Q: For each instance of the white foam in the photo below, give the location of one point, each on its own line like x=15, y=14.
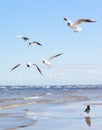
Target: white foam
x=31, y=98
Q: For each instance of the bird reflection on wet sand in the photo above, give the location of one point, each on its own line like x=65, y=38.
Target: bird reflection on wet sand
x=88, y=120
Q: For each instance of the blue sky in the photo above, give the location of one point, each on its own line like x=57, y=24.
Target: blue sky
x=42, y=20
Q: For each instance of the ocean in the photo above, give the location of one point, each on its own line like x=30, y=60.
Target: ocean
x=47, y=107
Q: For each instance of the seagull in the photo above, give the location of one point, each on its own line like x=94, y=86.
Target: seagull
x=28, y=40
x=75, y=25
x=47, y=61
x=87, y=110
x=28, y=65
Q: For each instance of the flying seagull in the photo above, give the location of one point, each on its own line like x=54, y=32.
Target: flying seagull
x=28, y=65
x=75, y=25
x=28, y=40
x=47, y=61
x=87, y=110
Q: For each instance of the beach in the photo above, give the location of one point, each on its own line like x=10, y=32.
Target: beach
x=50, y=108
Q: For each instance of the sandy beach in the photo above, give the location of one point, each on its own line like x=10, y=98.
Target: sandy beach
x=51, y=110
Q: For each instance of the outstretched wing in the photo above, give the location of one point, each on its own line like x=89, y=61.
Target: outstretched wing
x=68, y=20
x=15, y=67
x=55, y=56
x=38, y=68
x=24, y=38
x=37, y=43
x=18, y=36
x=83, y=20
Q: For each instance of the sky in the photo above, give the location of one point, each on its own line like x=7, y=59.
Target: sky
x=42, y=21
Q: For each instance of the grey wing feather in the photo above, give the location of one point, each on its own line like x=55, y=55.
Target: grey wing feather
x=38, y=69
x=25, y=38
x=68, y=20
x=37, y=43
x=83, y=20
x=15, y=67
x=55, y=56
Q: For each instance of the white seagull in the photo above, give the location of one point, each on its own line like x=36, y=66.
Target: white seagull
x=28, y=65
x=28, y=40
x=75, y=25
x=47, y=61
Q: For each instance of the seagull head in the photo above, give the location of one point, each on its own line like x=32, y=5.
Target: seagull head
x=28, y=64
x=69, y=24
x=88, y=107
x=43, y=61
x=30, y=43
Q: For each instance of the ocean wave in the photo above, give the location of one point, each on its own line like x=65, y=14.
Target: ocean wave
x=31, y=98
x=17, y=87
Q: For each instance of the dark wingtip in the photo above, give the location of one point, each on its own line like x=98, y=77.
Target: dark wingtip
x=65, y=18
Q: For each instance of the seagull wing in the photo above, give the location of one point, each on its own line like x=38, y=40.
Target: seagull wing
x=15, y=67
x=25, y=38
x=55, y=56
x=66, y=19
x=19, y=36
x=37, y=43
x=85, y=110
x=38, y=68
x=83, y=20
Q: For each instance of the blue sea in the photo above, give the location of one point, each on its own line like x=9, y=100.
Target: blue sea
x=48, y=107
